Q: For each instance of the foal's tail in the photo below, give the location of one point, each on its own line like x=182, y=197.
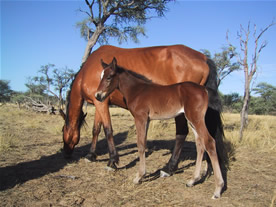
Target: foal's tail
x=213, y=116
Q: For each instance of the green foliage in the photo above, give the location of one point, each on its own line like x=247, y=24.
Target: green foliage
x=121, y=34
x=34, y=85
x=232, y=102
x=266, y=103
x=263, y=104
x=18, y=97
x=122, y=20
x=5, y=91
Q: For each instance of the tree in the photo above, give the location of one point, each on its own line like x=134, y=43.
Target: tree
x=249, y=68
x=5, y=91
x=51, y=80
x=35, y=87
x=118, y=19
x=231, y=102
x=223, y=61
x=18, y=98
x=59, y=79
x=266, y=103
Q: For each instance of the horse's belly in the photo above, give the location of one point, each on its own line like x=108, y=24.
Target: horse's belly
x=165, y=114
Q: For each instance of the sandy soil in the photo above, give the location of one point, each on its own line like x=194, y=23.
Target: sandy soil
x=34, y=172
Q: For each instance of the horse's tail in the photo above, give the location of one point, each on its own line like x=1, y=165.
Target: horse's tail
x=213, y=115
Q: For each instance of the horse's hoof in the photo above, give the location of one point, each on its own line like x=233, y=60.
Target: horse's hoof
x=87, y=160
x=214, y=197
x=109, y=169
x=190, y=183
x=137, y=181
x=164, y=174
x=91, y=157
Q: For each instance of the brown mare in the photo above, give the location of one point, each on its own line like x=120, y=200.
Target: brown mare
x=148, y=101
x=164, y=65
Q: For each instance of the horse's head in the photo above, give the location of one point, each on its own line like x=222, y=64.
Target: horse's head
x=109, y=80
x=71, y=135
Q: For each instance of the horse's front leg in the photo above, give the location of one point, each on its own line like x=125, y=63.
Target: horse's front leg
x=103, y=111
x=95, y=133
x=181, y=134
x=141, y=130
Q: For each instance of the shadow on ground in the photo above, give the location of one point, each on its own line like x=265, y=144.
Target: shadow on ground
x=25, y=171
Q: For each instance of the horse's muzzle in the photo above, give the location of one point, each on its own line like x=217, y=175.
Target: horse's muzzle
x=67, y=152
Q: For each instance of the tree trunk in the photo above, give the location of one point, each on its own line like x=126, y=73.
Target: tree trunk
x=91, y=42
x=246, y=99
x=244, y=114
x=60, y=99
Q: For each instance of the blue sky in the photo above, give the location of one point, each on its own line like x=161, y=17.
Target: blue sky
x=35, y=33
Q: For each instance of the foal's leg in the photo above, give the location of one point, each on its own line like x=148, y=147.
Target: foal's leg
x=199, y=157
x=95, y=132
x=141, y=130
x=103, y=110
x=181, y=134
x=209, y=144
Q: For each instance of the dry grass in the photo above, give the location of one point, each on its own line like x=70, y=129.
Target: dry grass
x=260, y=133
x=34, y=172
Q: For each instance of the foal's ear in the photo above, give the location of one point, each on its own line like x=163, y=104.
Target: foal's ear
x=114, y=64
x=104, y=65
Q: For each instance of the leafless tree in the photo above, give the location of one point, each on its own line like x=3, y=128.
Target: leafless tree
x=249, y=67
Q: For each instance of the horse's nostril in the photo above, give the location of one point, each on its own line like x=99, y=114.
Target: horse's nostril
x=98, y=96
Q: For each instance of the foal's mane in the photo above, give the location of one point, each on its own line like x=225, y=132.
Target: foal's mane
x=132, y=73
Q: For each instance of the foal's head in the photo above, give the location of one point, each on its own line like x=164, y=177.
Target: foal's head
x=109, y=80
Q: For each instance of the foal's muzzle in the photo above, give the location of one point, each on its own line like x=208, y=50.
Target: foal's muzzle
x=100, y=96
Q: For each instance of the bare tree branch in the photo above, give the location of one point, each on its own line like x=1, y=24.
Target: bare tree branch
x=264, y=30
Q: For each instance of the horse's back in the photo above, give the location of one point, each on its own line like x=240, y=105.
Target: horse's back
x=162, y=64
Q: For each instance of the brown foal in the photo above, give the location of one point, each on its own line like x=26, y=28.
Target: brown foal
x=148, y=101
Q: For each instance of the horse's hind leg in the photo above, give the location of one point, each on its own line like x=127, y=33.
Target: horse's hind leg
x=181, y=134
x=95, y=133
x=199, y=157
x=209, y=144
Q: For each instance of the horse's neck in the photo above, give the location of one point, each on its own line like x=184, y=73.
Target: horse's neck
x=74, y=109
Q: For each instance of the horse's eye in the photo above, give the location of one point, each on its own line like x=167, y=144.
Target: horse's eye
x=109, y=78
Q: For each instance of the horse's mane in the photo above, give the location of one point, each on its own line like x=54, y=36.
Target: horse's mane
x=136, y=75
x=82, y=115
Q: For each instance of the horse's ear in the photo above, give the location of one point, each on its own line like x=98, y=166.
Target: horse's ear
x=114, y=64
x=62, y=114
x=104, y=65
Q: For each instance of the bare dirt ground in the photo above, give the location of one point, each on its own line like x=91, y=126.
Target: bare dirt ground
x=34, y=173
